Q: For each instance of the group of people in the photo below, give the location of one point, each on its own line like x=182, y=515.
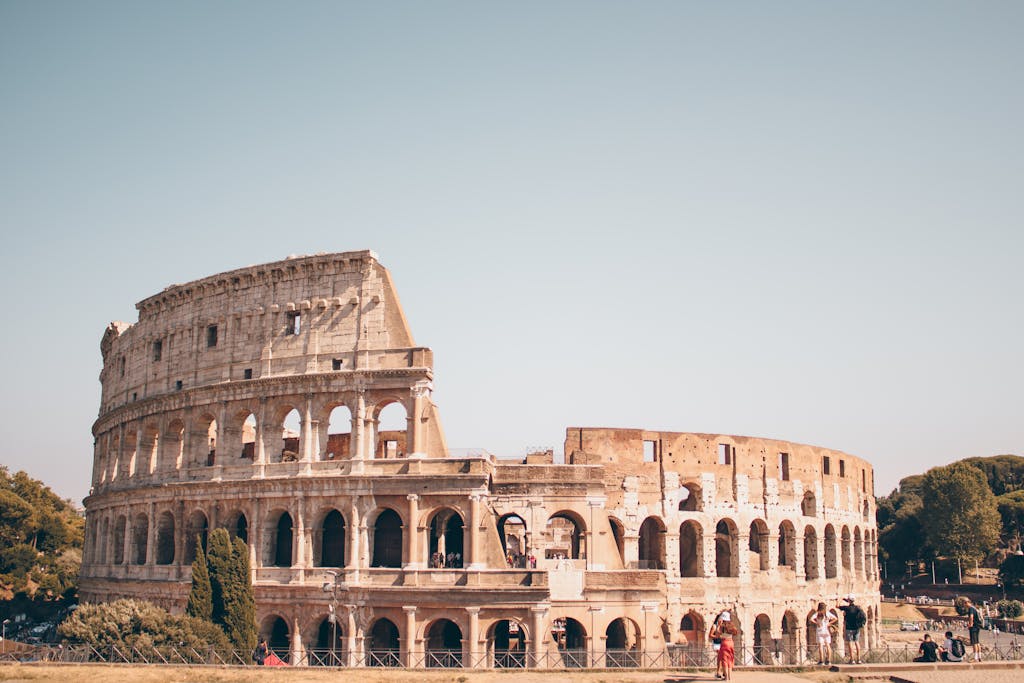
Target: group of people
x=442, y=561
x=520, y=561
x=953, y=648
x=826, y=622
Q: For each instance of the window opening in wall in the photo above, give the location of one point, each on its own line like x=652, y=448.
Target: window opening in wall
x=294, y=322
x=842, y=468
x=863, y=480
x=135, y=396
x=335, y=364
x=784, y=466
x=177, y=385
x=390, y=448
x=247, y=373
x=211, y=336
x=650, y=452
x=826, y=465
x=724, y=454
x=158, y=349
x=122, y=365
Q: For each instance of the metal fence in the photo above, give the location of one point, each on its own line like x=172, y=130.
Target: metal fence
x=675, y=657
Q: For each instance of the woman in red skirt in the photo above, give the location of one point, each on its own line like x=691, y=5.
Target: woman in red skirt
x=727, y=652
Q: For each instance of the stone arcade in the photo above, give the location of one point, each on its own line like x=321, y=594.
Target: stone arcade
x=252, y=400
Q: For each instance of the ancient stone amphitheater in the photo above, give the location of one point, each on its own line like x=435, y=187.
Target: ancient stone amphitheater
x=255, y=400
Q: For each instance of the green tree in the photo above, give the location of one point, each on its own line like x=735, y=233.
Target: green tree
x=127, y=624
x=1011, y=571
x=200, y=597
x=234, y=605
x=900, y=536
x=1011, y=510
x=958, y=511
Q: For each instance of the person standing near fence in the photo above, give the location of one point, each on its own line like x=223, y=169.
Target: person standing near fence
x=823, y=621
x=974, y=628
x=727, y=652
x=853, y=621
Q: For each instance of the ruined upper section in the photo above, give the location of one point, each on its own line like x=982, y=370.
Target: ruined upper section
x=303, y=315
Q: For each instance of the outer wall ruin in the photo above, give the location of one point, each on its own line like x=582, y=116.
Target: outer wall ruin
x=622, y=555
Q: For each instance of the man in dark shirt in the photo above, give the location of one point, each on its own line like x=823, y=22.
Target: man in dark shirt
x=974, y=628
x=928, y=651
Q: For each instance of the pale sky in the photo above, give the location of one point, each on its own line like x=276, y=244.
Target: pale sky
x=795, y=220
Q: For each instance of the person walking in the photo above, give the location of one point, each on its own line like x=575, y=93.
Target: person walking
x=823, y=621
x=727, y=651
x=716, y=643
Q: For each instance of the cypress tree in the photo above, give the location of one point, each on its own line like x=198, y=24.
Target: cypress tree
x=200, y=597
x=218, y=560
x=234, y=604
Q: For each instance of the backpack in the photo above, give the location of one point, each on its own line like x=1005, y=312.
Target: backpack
x=957, y=648
x=855, y=618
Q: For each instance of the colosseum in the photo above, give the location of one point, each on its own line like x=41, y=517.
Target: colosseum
x=255, y=400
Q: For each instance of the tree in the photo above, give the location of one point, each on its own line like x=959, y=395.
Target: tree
x=200, y=597
x=1011, y=510
x=1011, y=571
x=233, y=602
x=900, y=537
x=127, y=624
x=958, y=511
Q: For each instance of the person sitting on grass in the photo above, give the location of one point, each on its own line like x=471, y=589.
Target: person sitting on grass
x=928, y=651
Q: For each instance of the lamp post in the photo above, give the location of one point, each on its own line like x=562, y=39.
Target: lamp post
x=332, y=588
x=3, y=634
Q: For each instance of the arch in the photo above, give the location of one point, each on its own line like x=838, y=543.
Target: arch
x=787, y=545
x=691, y=627
x=247, y=438
x=566, y=531
x=140, y=539
x=204, y=440
x=763, y=640
x=690, y=497
x=387, y=539
x=330, y=643
x=619, y=537
x=691, y=549
x=758, y=545
x=383, y=644
x=443, y=644
x=845, y=548
x=104, y=541
x=506, y=644
x=130, y=448
x=238, y=526
x=197, y=529
x=830, y=552
x=390, y=426
x=512, y=533
x=119, y=533
x=279, y=547
x=338, y=444
x=622, y=643
x=173, y=453
x=114, y=456
x=809, y=505
x=810, y=552
x=866, y=511
x=652, y=544
x=726, y=547
x=790, y=653
x=571, y=639
x=858, y=550
x=148, y=449
x=446, y=537
x=165, y=538
x=331, y=549
x=291, y=429
x=275, y=629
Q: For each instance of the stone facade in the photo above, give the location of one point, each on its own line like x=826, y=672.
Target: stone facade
x=621, y=554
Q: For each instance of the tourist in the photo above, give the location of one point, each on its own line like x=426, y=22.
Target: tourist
x=928, y=650
x=259, y=655
x=974, y=628
x=716, y=644
x=726, y=652
x=853, y=621
x=823, y=620
x=953, y=649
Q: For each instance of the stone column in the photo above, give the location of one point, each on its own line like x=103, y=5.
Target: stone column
x=773, y=553
x=180, y=537
x=254, y=539
x=538, y=635
x=353, y=644
x=412, y=559
x=260, y=454
x=409, y=637
x=151, y=535
x=469, y=651
x=354, y=560
x=299, y=535
x=296, y=643
x=416, y=434
x=474, y=561
x=306, y=450
x=356, y=447
x=743, y=553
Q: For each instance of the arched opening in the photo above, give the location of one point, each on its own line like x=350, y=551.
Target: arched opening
x=790, y=653
x=512, y=532
x=690, y=498
x=619, y=537
x=444, y=644
x=238, y=526
x=114, y=457
x=506, y=641
x=197, y=530
x=389, y=433
x=690, y=640
x=173, y=446
x=787, y=545
x=810, y=553
x=291, y=428
x=165, y=538
x=204, y=441
x=387, y=539
x=149, y=447
x=691, y=549
x=622, y=644
x=130, y=450
x=830, y=552
x=383, y=644
x=763, y=640
x=140, y=539
x=446, y=529
x=338, y=445
x=330, y=644
x=281, y=541
x=759, y=560
x=726, y=542
x=845, y=550
x=571, y=639
x=248, y=450
x=332, y=541
x=565, y=532
x=275, y=630
x=119, y=533
x=866, y=512
x=809, y=506
x=104, y=541
x=652, y=544
x=858, y=552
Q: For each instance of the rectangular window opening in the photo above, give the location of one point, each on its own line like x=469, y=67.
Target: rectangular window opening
x=211, y=336
x=123, y=364
x=863, y=480
x=724, y=454
x=826, y=465
x=650, y=451
x=177, y=385
x=294, y=322
x=247, y=373
x=336, y=364
x=784, y=466
x=158, y=349
x=842, y=468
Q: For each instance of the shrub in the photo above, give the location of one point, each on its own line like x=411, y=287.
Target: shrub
x=127, y=624
x=1010, y=609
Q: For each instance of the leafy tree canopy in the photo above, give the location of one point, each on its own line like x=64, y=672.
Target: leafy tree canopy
x=125, y=624
x=958, y=511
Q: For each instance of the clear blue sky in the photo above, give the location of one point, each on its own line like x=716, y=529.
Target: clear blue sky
x=799, y=220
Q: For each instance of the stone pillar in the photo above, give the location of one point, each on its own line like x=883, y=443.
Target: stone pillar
x=126, y=542
x=743, y=553
x=798, y=555
x=416, y=434
x=469, y=650
x=296, y=643
x=151, y=535
x=475, y=559
x=370, y=435
x=255, y=538
x=180, y=536
x=773, y=553
x=354, y=559
x=631, y=550
x=306, y=451
x=260, y=454
x=356, y=447
x=307, y=524
x=539, y=636
x=299, y=535
x=409, y=637
x=412, y=559
x=593, y=503
x=353, y=644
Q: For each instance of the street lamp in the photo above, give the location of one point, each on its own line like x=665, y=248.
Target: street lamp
x=3, y=634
